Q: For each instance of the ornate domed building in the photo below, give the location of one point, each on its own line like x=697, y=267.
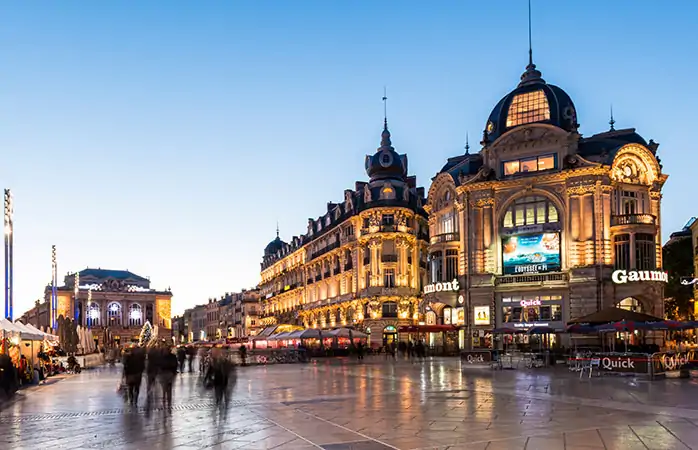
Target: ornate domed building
x=544, y=225
x=362, y=263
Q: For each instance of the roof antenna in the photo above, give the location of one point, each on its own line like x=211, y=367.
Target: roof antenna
x=612, y=122
x=531, y=75
x=467, y=144
x=277, y=228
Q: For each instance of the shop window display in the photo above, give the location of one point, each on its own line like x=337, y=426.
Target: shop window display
x=527, y=309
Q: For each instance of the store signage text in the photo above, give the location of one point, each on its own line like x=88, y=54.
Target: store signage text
x=529, y=325
x=625, y=276
x=610, y=364
x=526, y=303
x=687, y=281
x=446, y=286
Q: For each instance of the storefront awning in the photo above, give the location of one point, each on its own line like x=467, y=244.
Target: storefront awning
x=425, y=328
x=614, y=314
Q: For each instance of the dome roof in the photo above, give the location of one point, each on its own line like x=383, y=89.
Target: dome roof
x=386, y=163
x=274, y=246
x=533, y=101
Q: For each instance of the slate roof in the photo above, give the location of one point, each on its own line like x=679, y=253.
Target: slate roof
x=108, y=273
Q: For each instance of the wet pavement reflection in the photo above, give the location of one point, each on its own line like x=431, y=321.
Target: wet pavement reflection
x=341, y=404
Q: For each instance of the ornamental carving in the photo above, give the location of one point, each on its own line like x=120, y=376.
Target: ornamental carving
x=367, y=194
x=581, y=190
x=482, y=202
x=629, y=171
x=655, y=195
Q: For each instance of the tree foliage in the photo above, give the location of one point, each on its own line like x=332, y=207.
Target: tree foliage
x=678, y=262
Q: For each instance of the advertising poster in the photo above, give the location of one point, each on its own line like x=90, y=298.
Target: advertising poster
x=532, y=253
x=459, y=316
x=481, y=315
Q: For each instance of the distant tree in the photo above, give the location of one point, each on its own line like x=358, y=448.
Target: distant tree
x=678, y=262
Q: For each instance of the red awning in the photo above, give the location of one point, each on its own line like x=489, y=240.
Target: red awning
x=425, y=328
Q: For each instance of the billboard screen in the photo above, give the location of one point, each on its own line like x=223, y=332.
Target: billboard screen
x=531, y=253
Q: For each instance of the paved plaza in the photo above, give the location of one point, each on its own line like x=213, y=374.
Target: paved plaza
x=340, y=404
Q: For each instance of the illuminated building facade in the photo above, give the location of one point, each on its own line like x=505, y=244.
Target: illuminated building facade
x=534, y=226
x=115, y=299
x=360, y=264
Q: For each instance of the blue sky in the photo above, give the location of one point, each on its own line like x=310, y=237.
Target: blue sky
x=168, y=138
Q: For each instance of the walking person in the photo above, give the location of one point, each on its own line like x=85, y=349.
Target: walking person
x=134, y=364
x=166, y=374
x=219, y=377
x=181, y=358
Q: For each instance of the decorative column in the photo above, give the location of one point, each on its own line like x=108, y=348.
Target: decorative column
x=655, y=205
x=605, y=252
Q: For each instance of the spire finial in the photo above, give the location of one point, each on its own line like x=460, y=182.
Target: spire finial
x=467, y=144
x=530, y=41
x=277, y=228
x=531, y=75
x=385, y=108
x=385, y=136
x=612, y=122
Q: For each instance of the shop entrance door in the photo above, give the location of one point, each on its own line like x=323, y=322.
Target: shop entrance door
x=389, y=335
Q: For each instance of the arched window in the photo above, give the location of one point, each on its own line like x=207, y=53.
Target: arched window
x=530, y=210
x=135, y=315
x=114, y=314
x=93, y=315
x=630, y=304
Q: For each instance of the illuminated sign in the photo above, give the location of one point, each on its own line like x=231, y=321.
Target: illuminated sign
x=529, y=325
x=687, y=281
x=446, y=286
x=481, y=315
x=532, y=253
x=526, y=303
x=458, y=317
x=625, y=276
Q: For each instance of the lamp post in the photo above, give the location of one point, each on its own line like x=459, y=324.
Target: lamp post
x=8, y=254
x=77, y=294
x=54, y=282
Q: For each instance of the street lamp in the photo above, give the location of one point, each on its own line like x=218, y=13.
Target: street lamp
x=8, y=254
x=54, y=283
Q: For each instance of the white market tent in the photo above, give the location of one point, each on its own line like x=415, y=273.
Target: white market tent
x=27, y=333
x=50, y=337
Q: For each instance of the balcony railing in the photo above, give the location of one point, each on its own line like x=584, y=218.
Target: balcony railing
x=445, y=237
x=633, y=219
x=321, y=252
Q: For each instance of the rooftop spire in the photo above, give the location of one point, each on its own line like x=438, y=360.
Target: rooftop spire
x=531, y=75
x=277, y=228
x=385, y=136
x=467, y=144
x=612, y=122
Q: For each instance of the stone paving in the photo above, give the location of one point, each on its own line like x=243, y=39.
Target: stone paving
x=376, y=405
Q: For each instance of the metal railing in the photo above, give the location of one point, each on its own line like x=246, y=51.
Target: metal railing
x=633, y=219
x=445, y=237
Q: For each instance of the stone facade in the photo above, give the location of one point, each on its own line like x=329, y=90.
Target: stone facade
x=116, y=301
x=535, y=223
x=360, y=264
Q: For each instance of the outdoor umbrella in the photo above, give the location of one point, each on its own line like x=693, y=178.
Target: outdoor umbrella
x=542, y=330
x=579, y=328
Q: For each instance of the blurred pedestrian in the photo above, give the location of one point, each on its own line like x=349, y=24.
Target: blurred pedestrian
x=166, y=374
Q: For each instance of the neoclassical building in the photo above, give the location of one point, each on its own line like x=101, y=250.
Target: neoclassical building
x=114, y=303
x=543, y=225
x=362, y=263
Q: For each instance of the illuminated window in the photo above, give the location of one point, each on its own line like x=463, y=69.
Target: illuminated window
x=530, y=211
x=93, y=314
x=529, y=165
x=630, y=304
x=114, y=314
x=135, y=315
x=511, y=167
x=528, y=108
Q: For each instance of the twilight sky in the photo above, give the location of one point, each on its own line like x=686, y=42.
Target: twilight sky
x=169, y=137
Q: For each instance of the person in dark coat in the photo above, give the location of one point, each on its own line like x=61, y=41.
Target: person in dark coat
x=219, y=375
x=8, y=377
x=134, y=364
x=181, y=358
x=166, y=374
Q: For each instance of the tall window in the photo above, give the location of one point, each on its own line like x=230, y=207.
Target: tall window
x=530, y=211
x=114, y=314
x=621, y=245
x=447, y=223
x=645, y=252
x=388, y=219
x=135, y=315
x=451, y=264
x=389, y=278
x=629, y=202
x=93, y=315
x=527, y=108
x=389, y=309
x=436, y=266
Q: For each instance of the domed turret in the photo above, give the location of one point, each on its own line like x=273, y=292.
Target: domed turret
x=533, y=101
x=386, y=163
x=274, y=246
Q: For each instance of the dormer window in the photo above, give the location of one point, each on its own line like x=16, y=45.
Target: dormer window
x=532, y=164
x=528, y=107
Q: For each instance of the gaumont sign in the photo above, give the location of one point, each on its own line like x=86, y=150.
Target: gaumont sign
x=446, y=286
x=629, y=276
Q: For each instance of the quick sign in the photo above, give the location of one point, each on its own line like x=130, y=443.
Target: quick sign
x=526, y=303
x=446, y=286
x=624, y=364
x=627, y=276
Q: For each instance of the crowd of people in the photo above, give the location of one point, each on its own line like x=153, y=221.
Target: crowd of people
x=159, y=365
